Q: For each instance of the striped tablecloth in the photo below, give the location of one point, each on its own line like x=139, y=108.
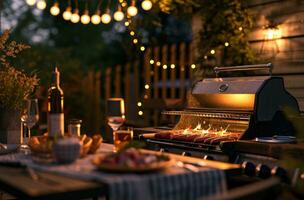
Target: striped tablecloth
x=173, y=183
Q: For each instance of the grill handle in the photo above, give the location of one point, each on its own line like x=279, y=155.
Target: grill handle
x=267, y=66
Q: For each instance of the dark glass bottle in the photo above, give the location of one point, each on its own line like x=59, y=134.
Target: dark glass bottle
x=55, y=106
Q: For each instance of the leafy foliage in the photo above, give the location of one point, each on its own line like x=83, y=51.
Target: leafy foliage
x=15, y=85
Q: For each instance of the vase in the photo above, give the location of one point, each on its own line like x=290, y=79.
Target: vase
x=10, y=126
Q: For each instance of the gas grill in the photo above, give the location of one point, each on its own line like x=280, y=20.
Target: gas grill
x=226, y=109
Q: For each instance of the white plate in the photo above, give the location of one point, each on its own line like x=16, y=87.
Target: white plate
x=10, y=148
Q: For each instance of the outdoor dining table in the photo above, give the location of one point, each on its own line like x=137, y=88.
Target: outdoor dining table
x=82, y=179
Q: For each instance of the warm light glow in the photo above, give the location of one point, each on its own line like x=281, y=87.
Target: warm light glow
x=158, y=63
x=124, y=4
x=30, y=2
x=106, y=18
x=139, y=104
x=142, y=48
x=95, y=19
x=75, y=17
x=193, y=66
x=132, y=33
x=212, y=51
x=165, y=66
x=127, y=23
x=67, y=14
x=151, y=61
x=119, y=15
x=55, y=10
x=140, y=113
x=41, y=5
x=85, y=18
x=172, y=66
x=273, y=33
x=240, y=28
x=226, y=44
x=146, y=5
x=147, y=86
x=132, y=11
x=135, y=41
x=205, y=57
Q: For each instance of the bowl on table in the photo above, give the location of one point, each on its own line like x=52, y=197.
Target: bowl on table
x=67, y=150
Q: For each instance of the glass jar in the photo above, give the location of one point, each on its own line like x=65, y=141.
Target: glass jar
x=74, y=127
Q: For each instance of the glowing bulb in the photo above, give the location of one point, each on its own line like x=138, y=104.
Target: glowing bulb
x=193, y=66
x=55, y=10
x=151, y=61
x=127, y=23
x=146, y=5
x=41, y=5
x=95, y=19
x=142, y=48
x=67, y=14
x=132, y=11
x=30, y=2
x=75, y=17
x=140, y=113
x=147, y=86
x=119, y=15
x=106, y=18
x=273, y=33
x=158, y=63
x=240, y=28
x=132, y=33
x=226, y=44
x=205, y=57
x=123, y=4
x=172, y=66
x=139, y=104
x=85, y=18
x=135, y=41
x=212, y=51
x=165, y=66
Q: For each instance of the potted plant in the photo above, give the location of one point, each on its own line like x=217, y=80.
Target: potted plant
x=15, y=86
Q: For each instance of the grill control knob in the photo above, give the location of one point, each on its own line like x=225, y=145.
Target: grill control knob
x=207, y=157
x=248, y=168
x=263, y=171
x=280, y=172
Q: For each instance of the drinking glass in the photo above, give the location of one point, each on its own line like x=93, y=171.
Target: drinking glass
x=115, y=114
x=29, y=117
x=122, y=137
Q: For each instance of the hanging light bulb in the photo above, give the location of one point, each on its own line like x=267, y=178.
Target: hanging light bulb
x=132, y=10
x=119, y=15
x=41, y=5
x=95, y=19
x=146, y=5
x=75, y=16
x=85, y=18
x=67, y=14
x=30, y=2
x=106, y=18
x=55, y=10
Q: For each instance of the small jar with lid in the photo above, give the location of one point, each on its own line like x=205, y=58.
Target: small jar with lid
x=74, y=127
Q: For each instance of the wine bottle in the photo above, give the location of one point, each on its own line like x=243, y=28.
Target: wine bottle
x=55, y=107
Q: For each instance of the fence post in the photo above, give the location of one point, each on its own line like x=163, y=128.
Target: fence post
x=118, y=81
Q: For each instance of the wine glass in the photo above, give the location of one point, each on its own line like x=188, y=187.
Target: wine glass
x=29, y=117
x=115, y=115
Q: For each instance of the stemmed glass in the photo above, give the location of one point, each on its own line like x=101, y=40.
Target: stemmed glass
x=29, y=117
x=115, y=115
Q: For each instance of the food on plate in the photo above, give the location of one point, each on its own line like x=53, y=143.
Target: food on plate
x=130, y=158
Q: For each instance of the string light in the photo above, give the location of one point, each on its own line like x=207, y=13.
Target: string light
x=132, y=10
x=139, y=104
x=205, y=57
x=240, y=28
x=106, y=18
x=212, y=51
x=172, y=66
x=226, y=44
x=146, y=5
x=67, y=14
x=95, y=19
x=119, y=15
x=165, y=66
x=55, y=10
x=147, y=86
x=30, y=2
x=132, y=33
x=140, y=113
x=135, y=41
x=151, y=61
x=127, y=23
x=75, y=16
x=193, y=66
x=158, y=63
x=142, y=48
x=85, y=18
x=41, y=4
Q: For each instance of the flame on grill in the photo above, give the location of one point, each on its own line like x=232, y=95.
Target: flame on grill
x=200, y=130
